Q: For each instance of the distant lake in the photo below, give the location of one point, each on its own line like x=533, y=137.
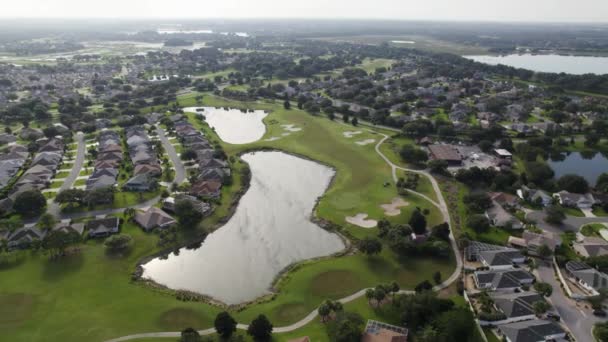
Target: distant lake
x=234, y=126
x=270, y=230
x=576, y=65
x=588, y=165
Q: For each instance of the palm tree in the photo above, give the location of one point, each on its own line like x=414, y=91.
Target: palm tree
x=369, y=294
x=129, y=214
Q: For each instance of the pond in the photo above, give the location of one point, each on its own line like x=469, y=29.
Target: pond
x=234, y=126
x=270, y=230
x=588, y=165
x=576, y=65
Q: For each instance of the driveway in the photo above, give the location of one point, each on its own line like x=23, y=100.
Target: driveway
x=570, y=224
x=180, y=171
x=579, y=320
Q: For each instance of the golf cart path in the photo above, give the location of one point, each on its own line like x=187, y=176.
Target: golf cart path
x=312, y=315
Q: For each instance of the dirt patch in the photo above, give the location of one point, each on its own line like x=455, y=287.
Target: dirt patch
x=361, y=221
x=350, y=134
x=15, y=308
x=178, y=318
x=336, y=284
x=392, y=209
x=365, y=142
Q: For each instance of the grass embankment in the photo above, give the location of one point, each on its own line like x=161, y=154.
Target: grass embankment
x=90, y=297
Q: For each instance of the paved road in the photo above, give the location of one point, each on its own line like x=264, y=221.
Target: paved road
x=442, y=206
x=570, y=224
x=312, y=315
x=54, y=208
x=180, y=171
x=579, y=321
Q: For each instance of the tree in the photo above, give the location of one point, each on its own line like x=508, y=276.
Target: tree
x=47, y=221
x=30, y=203
x=478, y=202
x=260, y=329
x=423, y=286
x=287, y=105
x=379, y=294
x=188, y=154
x=456, y=325
x=544, y=251
x=58, y=240
x=370, y=246
x=347, y=327
x=441, y=231
x=438, y=166
x=190, y=335
x=479, y=223
x=540, y=307
x=224, y=324
x=354, y=121
x=412, y=154
x=573, y=183
x=187, y=215
x=118, y=243
x=369, y=294
x=544, y=289
x=394, y=287
x=71, y=197
x=418, y=222
x=437, y=277
x=324, y=311
x=601, y=331
x=554, y=215
x=602, y=183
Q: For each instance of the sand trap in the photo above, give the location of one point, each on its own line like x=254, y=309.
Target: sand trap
x=272, y=139
x=291, y=128
x=285, y=134
x=392, y=209
x=361, y=221
x=350, y=134
x=365, y=142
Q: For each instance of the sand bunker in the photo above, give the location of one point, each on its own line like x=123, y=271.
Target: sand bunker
x=361, y=221
x=272, y=139
x=285, y=134
x=291, y=128
x=350, y=134
x=365, y=142
x=392, y=209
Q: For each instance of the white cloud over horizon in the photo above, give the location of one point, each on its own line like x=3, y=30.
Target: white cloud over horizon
x=478, y=10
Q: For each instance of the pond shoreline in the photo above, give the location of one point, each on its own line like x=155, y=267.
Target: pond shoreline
x=275, y=286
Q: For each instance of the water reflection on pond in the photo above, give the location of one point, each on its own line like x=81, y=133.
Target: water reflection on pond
x=587, y=164
x=234, y=126
x=270, y=230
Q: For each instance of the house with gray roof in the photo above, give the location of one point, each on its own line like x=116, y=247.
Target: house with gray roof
x=569, y=199
x=142, y=182
x=589, y=278
x=516, y=306
x=103, y=227
x=532, y=331
x=24, y=237
x=591, y=246
x=506, y=280
x=500, y=217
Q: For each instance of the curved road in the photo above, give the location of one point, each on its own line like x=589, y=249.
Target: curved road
x=441, y=205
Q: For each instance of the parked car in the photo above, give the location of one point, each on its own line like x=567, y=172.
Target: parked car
x=553, y=316
x=599, y=313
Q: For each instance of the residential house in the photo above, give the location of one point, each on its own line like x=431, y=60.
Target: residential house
x=25, y=236
x=591, y=247
x=200, y=206
x=532, y=331
x=493, y=256
x=516, y=306
x=206, y=189
x=535, y=196
x=103, y=227
x=448, y=153
x=532, y=241
x=500, y=217
x=68, y=227
x=502, y=280
x=141, y=182
x=569, y=199
x=589, y=278
x=154, y=218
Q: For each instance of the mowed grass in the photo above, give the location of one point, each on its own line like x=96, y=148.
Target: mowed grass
x=90, y=296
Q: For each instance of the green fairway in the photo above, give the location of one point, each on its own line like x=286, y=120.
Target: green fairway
x=89, y=296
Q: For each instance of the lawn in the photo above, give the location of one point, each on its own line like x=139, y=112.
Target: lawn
x=599, y=211
x=62, y=174
x=573, y=211
x=93, y=292
x=592, y=229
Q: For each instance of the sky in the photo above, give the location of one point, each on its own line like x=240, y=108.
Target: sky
x=457, y=10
